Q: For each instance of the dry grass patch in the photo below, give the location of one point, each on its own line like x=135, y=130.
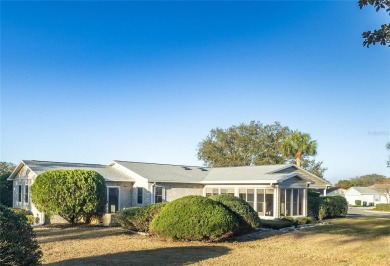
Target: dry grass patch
x=349, y=241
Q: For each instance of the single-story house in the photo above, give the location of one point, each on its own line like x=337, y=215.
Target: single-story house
x=272, y=190
x=364, y=194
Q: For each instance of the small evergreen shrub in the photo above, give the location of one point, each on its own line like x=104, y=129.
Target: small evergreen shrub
x=194, y=218
x=124, y=217
x=382, y=207
x=305, y=220
x=29, y=217
x=358, y=202
x=139, y=218
x=246, y=215
x=72, y=194
x=276, y=224
x=327, y=207
x=18, y=245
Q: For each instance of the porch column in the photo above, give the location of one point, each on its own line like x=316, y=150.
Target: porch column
x=276, y=201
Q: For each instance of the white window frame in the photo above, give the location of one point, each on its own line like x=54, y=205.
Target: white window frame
x=162, y=193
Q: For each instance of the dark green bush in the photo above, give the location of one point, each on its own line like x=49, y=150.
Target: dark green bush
x=327, y=207
x=194, y=218
x=72, y=194
x=18, y=245
x=139, y=218
x=305, y=220
x=313, y=194
x=29, y=217
x=5, y=190
x=246, y=215
x=382, y=207
x=125, y=217
x=358, y=202
x=276, y=224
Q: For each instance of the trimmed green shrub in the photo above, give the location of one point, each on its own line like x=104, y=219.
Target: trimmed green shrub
x=382, y=207
x=139, y=218
x=194, y=218
x=305, y=220
x=29, y=217
x=5, y=190
x=246, y=215
x=125, y=217
x=18, y=245
x=72, y=194
x=358, y=202
x=327, y=207
x=276, y=224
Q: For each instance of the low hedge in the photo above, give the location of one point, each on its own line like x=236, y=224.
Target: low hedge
x=194, y=218
x=327, y=207
x=139, y=218
x=29, y=217
x=246, y=215
x=382, y=207
x=276, y=224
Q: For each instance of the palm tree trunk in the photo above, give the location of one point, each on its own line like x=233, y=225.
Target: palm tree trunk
x=298, y=159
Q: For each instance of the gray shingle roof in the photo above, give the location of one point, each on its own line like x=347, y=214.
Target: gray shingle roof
x=247, y=173
x=109, y=173
x=167, y=172
x=365, y=190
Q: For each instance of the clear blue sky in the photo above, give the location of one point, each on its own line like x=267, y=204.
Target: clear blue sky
x=147, y=81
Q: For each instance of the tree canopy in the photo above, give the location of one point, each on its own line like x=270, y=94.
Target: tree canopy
x=382, y=35
x=6, y=167
x=360, y=181
x=73, y=194
x=251, y=144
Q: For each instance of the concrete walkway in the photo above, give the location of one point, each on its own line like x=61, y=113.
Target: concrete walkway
x=365, y=211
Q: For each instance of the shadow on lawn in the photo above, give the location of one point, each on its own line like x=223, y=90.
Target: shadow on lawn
x=161, y=256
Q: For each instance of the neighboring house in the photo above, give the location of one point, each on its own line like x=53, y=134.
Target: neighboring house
x=272, y=190
x=334, y=191
x=365, y=194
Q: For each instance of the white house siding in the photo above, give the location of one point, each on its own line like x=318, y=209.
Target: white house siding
x=352, y=195
x=25, y=177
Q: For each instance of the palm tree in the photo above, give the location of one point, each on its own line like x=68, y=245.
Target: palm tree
x=298, y=144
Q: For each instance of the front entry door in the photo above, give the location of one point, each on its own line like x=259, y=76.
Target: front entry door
x=113, y=199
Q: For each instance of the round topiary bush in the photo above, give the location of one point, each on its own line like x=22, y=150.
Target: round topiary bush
x=72, y=194
x=247, y=216
x=139, y=218
x=18, y=245
x=194, y=218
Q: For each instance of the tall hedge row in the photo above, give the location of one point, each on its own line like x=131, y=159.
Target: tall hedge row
x=73, y=194
x=194, y=218
x=327, y=207
x=18, y=245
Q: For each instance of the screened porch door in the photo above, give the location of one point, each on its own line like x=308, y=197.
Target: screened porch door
x=112, y=199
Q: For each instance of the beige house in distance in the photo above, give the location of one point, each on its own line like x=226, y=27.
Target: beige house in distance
x=272, y=190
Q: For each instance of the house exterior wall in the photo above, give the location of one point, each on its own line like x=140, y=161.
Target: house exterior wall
x=125, y=193
x=178, y=190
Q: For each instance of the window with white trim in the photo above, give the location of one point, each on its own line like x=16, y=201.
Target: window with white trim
x=291, y=201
